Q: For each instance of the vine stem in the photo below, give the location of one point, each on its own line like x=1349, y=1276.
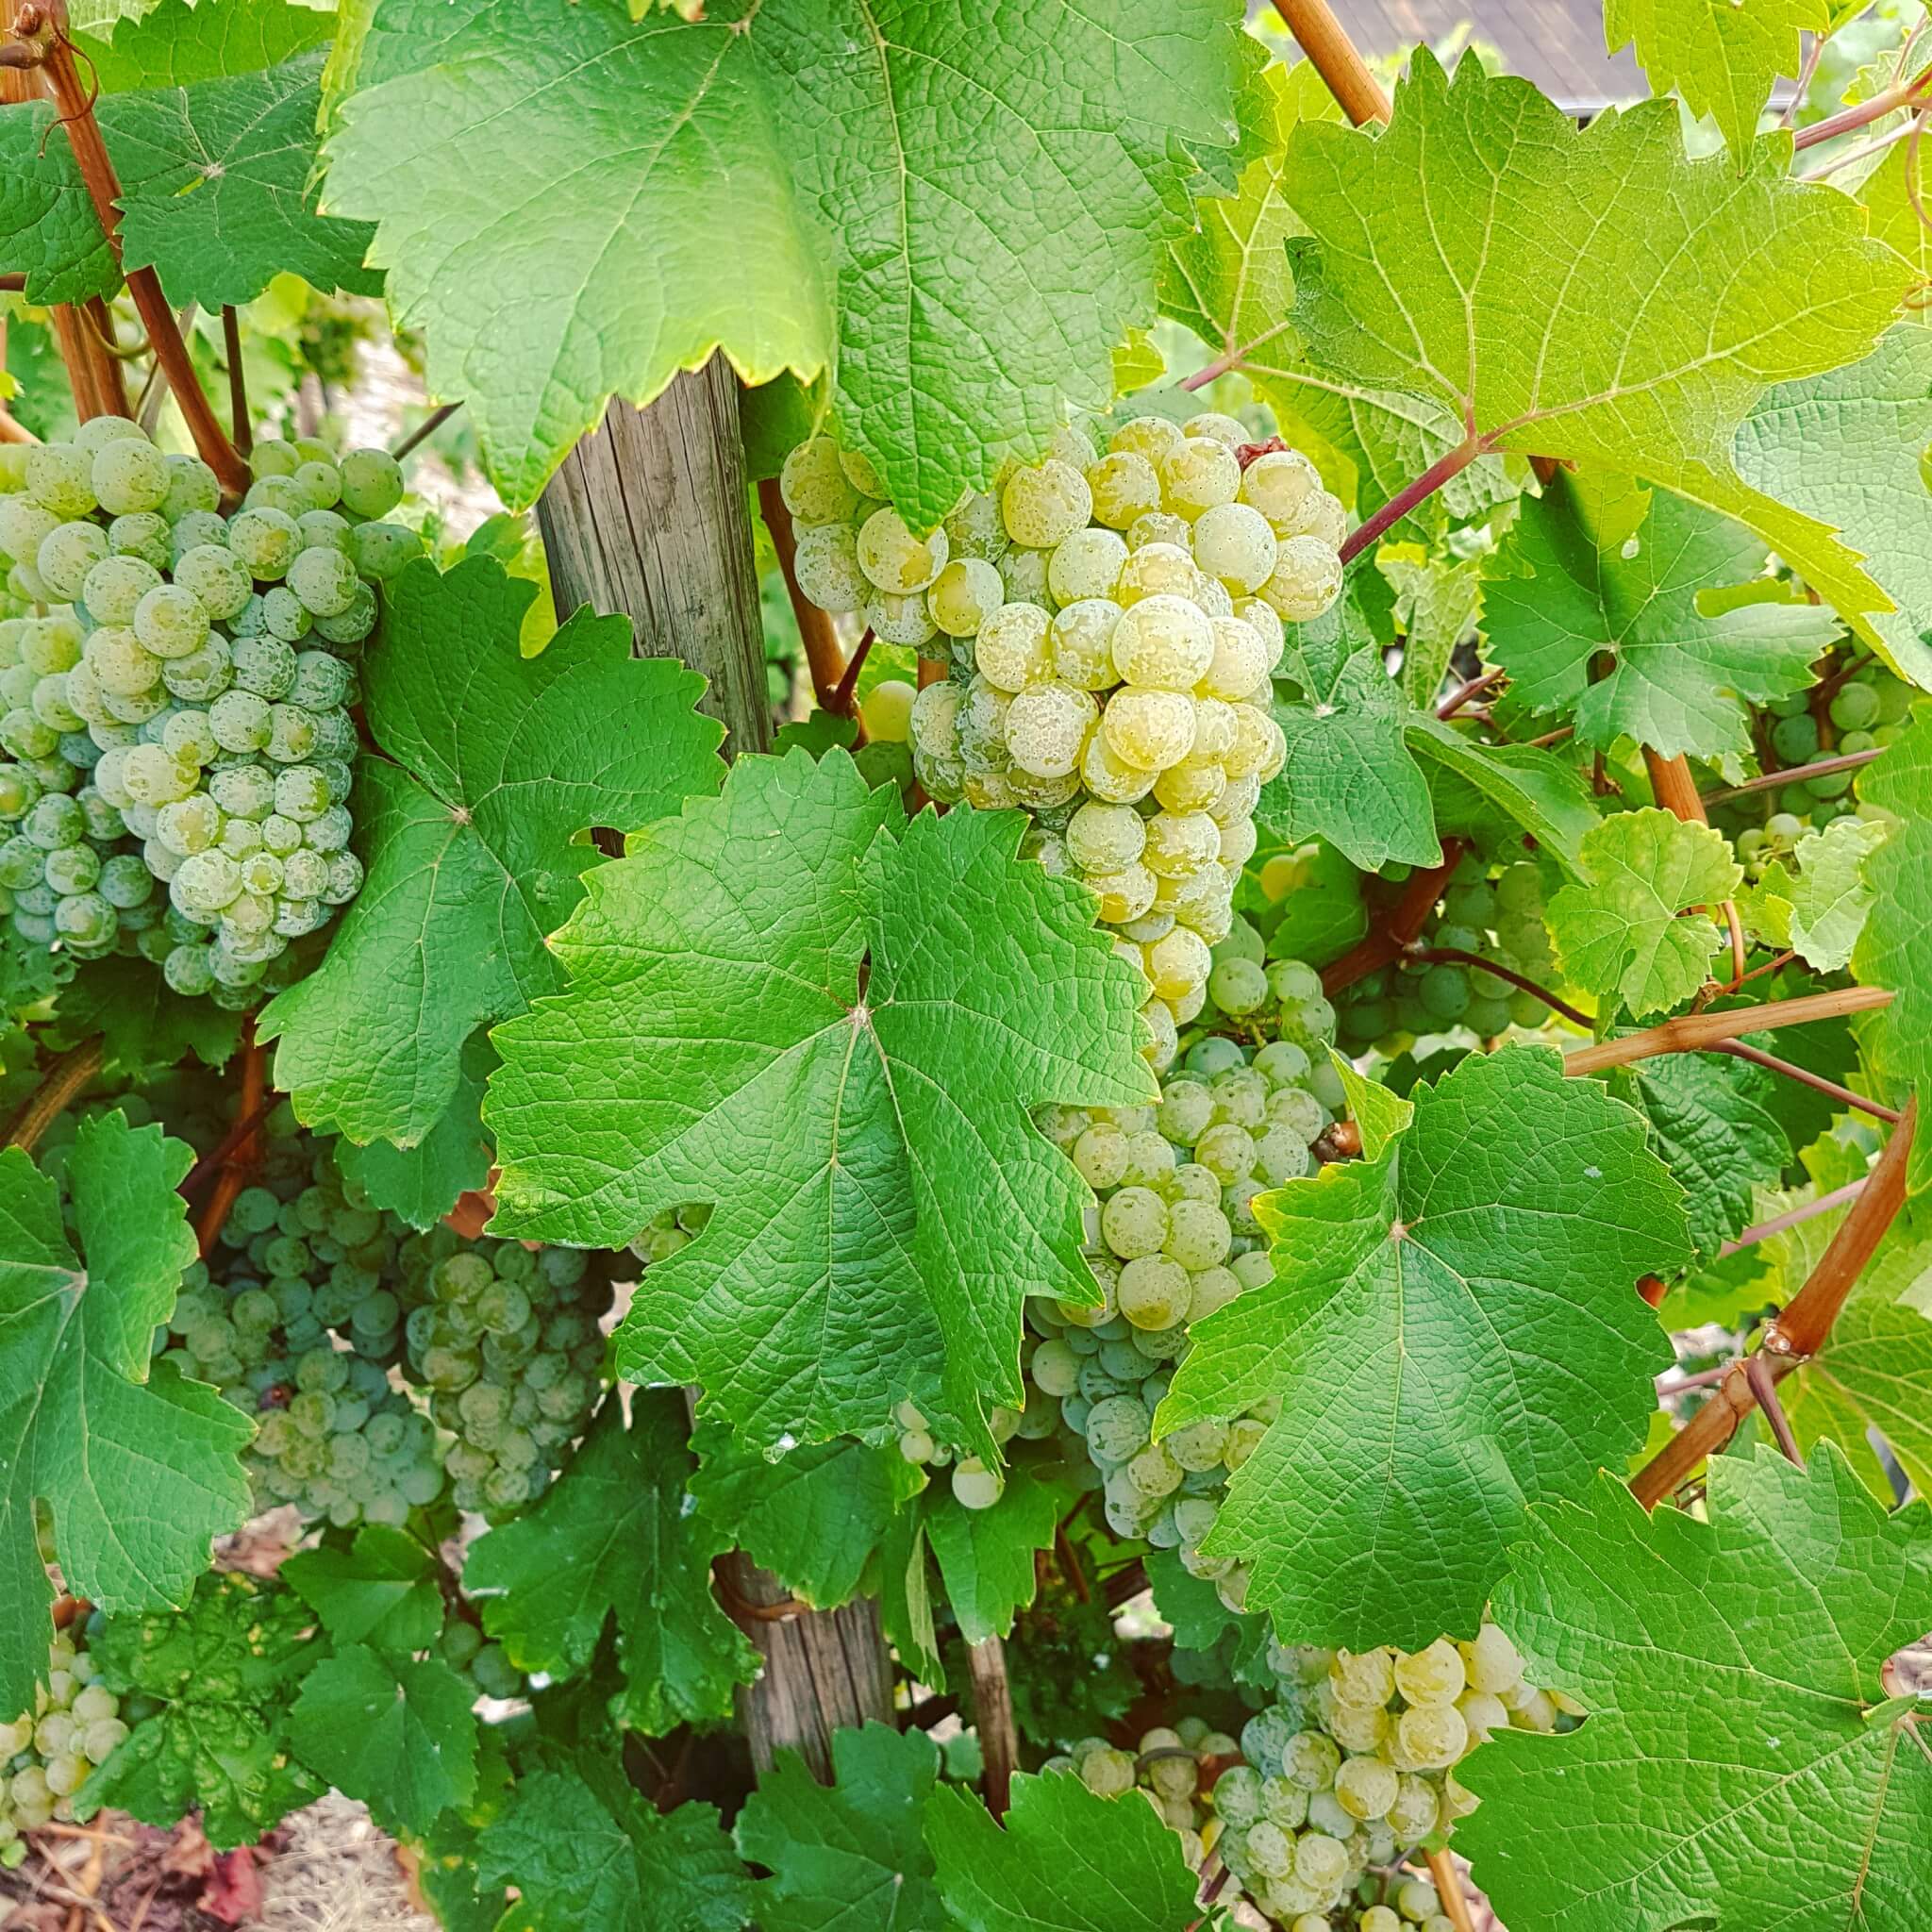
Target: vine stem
x=240, y=429
x=1335, y=57
x=60, y=1084
x=1521, y=981
x=242, y=1160
x=1467, y=693
x=1771, y=1063
x=1450, y=463
x=1449, y=1890
x=823, y=656
x=1904, y=94
x=1764, y=1390
x=1232, y=359
x=1405, y=922
x=1820, y=768
x=104, y=190
x=424, y=430
x=1793, y=1216
x=1697, y=1032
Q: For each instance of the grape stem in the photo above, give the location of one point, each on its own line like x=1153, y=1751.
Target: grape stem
x=823, y=656
x=1450, y=463
x=239, y=428
x=1904, y=94
x=1521, y=981
x=1232, y=359
x=1467, y=694
x=424, y=430
x=1793, y=1216
x=209, y=1162
x=1697, y=1032
x=1843, y=1095
x=1335, y=57
x=1405, y=922
x=246, y=1155
x=60, y=1086
x=992, y=1711
x=1796, y=775
x=842, y=699
x=1764, y=1387
x=1449, y=1890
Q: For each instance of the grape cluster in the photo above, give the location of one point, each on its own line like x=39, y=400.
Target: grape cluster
x=178, y=712
x=1496, y=917
x=46, y=1753
x=1112, y=622
x=505, y=1339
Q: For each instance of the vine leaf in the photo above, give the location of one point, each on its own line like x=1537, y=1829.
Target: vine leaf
x=813, y=1518
x=1565, y=304
x=1067, y=1861
x=494, y=766
x=1452, y=1336
x=1473, y=784
x=1718, y=1132
x=209, y=116
x=1574, y=585
x=959, y=215
x=1844, y=447
x=1721, y=55
x=584, y=1848
x=1622, y=933
x=1803, y=1804
x=422, y=1183
x=146, y=1027
x=223, y=1671
x=1819, y=911
x=830, y=1025
x=985, y=1555
x=1438, y=602
x=138, y=1469
x=381, y=1591
x=615, y=1537
x=400, y=1735
x=852, y=1855
x=1895, y=947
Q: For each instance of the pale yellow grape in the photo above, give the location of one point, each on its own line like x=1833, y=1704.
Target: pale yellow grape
x=975, y=1485
x=1237, y=843
x=1365, y=1787
x=1192, y=784
x=1430, y=1737
x=1156, y=570
x=1180, y=844
x=1280, y=875
x=1128, y=954
x=1150, y=1160
x=1024, y=572
x=814, y=484
x=896, y=619
x=827, y=567
x=1417, y=1899
x=934, y=718
x=1271, y=1850
x=1013, y=648
x=1104, y=837
x=1177, y=964
x=1085, y=565
x=1483, y=1712
x=1239, y=665
x=1212, y=595
x=1111, y=777
x=1148, y=729
x=1252, y=745
x=1163, y=643
x=1083, y=643
x=1226, y=1151
x=1320, y=1860
x=1134, y=1222
x=1189, y=1009
x=1320, y=517
x=1238, y=986
x=1198, y=1235
x=1156, y=925
x=1277, y=484
x=119, y=661
x=887, y=711
x=1218, y=428
x=1101, y=1155
x=1306, y=580
x=1197, y=475
x=1234, y=543
x=1153, y=1291
x=1359, y=1726
x=980, y=728
x=1151, y=436
x=1044, y=505
x=1431, y=1676
x=1041, y=795
x=1157, y=526
x=1266, y=621
x=964, y=595
x=1124, y=895
x=1491, y=1660
x=1237, y=801
x=1378, y=1918
x=1214, y=727
x=974, y=529
x=1047, y=723
x=1413, y=1813
x=1124, y=487
x=1309, y=1922
x=1153, y=1472
x=860, y=474
x=894, y=558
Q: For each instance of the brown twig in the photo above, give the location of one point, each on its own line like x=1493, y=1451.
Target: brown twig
x=1334, y=57
x=1764, y=1388
x=246, y=1155
x=1521, y=981
x=1405, y=922
x=993, y=1713
x=843, y=698
x=1699, y=1032
x=1819, y=768
x=1467, y=694
x=1843, y=1095
x=1793, y=1216
x=1211, y=1890
x=740, y=1606
x=1449, y=1890
x=60, y=1086
x=424, y=430
x=217, y=1156
x=823, y=656
x=240, y=429
x=76, y=104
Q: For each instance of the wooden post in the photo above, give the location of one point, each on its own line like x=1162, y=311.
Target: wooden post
x=650, y=515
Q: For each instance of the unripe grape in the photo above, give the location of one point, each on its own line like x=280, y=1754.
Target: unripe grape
x=896, y=560
x=1306, y=580
x=1164, y=643
x=1081, y=638
x=1044, y=505
x=129, y=475
x=1023, y=573
x=1124, y=486
x=1085, y=564
x=1197, y=475
x=1156, y=570
x=887, y=711
x=1047, y=724
x=964, y=595
x=1107, y=775
x=67, y=555
x=1013, y=648
x=976, y=1486
x=815, y=485
x=899, y=620
x=372, y=482
x=1148, y=729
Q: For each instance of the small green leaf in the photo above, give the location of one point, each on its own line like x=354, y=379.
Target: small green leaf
x=420, y=1184
x=1726, y=1773
x=1719, y=1135
x=492, y=765
x=985, y=1555
x=146, y=1028
x=1438, y=600
x=1522, y=786
x=616, y=1537
x=400, y=1736
x=382, y=1590
x=1380, y=1115
x=852, y=1857
x=1830, y=897
x=1067, y=1861
x=1622, y=933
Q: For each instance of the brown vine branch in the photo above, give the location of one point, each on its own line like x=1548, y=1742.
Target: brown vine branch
x=218, y=1156
x=1819, y=768
x=1793, y=1216
x=1405, y=922
x=424, y=430
x=77, y=107
x=1211, y=1890
x=741, y=1607
x=844, y=700
x=1232, y=359
x=60, y=1086
x=823, y=656
x=1904, y=94
x=1843, y=1095
x=992, y=1712
x=1699, y=1032
x=1449, y=1890
x=239, y=428
x=246, y=1155
x=1764, y=1390
x=1450, y=463
x=1521, y=981
x=1334, y=57
x=1467, y=693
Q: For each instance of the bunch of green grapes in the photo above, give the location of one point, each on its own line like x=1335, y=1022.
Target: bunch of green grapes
x=1113, y=622
x=46, y=1753
x=1496, y=916
x=486, y=1665
x=506, y=1341
x=179, y=711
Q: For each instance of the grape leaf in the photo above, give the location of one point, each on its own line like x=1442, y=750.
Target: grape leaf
x=813, y=1518
x=883, y=1202
x=209, y=115
x=1322, y=914
x=382, y=1590
x=1718, y=1133
x=1874, y=1371
x=222, y=1671
x=615, y=1536
x=1623, y=934
x=959, y=214
x=1438, y=602
x=852, y=1856
x=493, y=764
x=422, y=1183
x=1453, y=1334
x=1190, y=1603
x=985, y=1555
x=1722, y=56
x=1526, y=787
x=1844, y=447
x=138, y=1469
x=1588, y=293
x=583, y=1848
x=144, y=1025
x=1067, y=1861
x=1736, y=1769
x=1561, y=600
x=1895, y=947
x=1819, y=911
x=399, y=1735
